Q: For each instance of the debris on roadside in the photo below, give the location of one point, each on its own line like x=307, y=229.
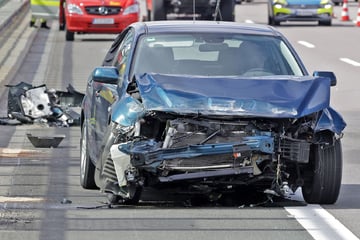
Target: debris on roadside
x=65, y=201
x=45, y=141
x=30, y=104
x=18, y=153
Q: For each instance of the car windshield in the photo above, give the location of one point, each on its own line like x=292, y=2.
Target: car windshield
x=209, y=54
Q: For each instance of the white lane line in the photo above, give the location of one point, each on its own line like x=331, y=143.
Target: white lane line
x=249, y=21
x=320, y=224
x=4, y=199
x=306, y=44
x=351, y=62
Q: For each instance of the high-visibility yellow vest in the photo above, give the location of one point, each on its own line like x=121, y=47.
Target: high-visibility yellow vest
x=46, y=9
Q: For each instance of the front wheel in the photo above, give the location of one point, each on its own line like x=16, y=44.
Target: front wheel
x=87, y=168
x=323, y=184
x=325, y=23
x=69, y=35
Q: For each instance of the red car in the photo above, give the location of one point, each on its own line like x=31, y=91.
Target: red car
x=96, y=16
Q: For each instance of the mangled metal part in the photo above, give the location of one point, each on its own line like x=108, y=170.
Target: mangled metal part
x=29, y=104
x=148, y=151
x=35, y=103
x=207, y=174
x=45, y=141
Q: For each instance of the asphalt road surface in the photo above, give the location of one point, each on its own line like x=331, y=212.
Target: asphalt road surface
x=40, y=194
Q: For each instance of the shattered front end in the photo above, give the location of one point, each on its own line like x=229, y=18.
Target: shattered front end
x=206, y=144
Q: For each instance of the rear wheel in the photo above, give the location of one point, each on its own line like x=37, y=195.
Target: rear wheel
x=323, y=184
x=87, y=168
x=158, y=11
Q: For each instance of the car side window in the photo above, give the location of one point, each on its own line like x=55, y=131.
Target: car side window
x=123, y=53
x=109, y=58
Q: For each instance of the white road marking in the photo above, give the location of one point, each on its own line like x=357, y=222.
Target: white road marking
x=306, y=44
x=249, y=21
x=20, y=199
x=351, y=62
x=320, y=224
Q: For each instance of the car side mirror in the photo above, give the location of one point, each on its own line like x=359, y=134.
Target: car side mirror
x=108, y=75
x=326, y=74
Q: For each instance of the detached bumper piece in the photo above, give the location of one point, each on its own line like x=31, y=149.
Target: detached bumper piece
x=45, y=141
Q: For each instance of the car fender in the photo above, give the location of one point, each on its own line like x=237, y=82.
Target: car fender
x=331, y=120
x=127, y=111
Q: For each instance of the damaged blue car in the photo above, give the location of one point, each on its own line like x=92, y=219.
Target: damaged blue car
x=204, y=108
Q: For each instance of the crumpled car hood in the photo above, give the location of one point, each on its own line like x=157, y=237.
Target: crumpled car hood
x=271, y=96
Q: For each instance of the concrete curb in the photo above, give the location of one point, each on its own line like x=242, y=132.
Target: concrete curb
x=11, y=10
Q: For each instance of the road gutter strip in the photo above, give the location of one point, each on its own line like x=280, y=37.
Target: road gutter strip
x=320, y=224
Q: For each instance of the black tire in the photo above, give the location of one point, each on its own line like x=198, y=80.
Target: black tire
x=69, y=35
x=324, y=182
x=87, y=168
x=325, y=23
x=227, y=9
x=158, y=11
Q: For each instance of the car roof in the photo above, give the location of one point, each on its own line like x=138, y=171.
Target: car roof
x=184, y=26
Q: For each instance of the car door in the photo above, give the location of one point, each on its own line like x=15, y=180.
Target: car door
x=104, y=95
